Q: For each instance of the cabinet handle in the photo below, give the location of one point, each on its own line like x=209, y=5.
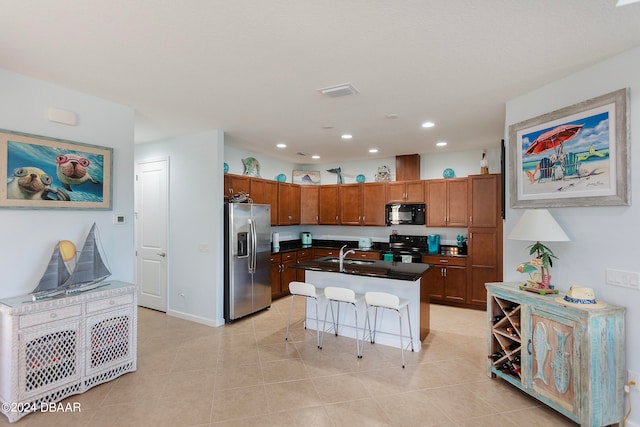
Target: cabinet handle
x=445, y=272
x=444, y=260
x=470, y=219
x=53, y=315
x=336, y=218
x=529, y=346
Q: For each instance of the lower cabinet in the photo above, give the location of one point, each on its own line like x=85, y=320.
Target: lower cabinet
x=55, y=348
x=569, y=357
x=281, y=274
x=447, y=279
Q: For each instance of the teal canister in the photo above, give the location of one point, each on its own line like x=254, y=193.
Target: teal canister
x=433, y=243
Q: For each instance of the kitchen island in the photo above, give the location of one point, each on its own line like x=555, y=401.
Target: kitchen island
x=401, y=279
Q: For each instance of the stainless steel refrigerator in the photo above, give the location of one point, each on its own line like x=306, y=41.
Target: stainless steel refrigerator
x=247, y=253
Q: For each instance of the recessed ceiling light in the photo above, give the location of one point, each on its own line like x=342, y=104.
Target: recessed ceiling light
x=373, y=150
x=281, y=145
x=347, y=136
x=315, y=156
x=441, y=144
x=625, y=2
x=428, y=124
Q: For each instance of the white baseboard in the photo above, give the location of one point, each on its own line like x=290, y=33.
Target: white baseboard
x=198, y=319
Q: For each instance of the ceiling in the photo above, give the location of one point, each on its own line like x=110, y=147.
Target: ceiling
x=252, y=68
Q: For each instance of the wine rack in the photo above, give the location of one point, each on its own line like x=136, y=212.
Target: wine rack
x=569, y=357
x=506, y=341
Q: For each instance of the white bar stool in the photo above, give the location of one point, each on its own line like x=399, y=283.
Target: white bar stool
x=346, y=296
x=390, y=302
x=306, y=290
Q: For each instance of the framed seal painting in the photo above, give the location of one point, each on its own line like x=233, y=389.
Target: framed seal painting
x=38, y=172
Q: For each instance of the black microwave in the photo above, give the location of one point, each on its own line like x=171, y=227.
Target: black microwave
x=406, y=213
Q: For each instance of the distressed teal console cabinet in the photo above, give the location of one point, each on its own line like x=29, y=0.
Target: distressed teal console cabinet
x=569, y=357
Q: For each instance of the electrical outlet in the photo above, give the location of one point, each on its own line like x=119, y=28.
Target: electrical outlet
x=633, y=377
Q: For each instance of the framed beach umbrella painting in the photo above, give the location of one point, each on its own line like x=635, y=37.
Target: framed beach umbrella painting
x=575, y=156
x=38, y=172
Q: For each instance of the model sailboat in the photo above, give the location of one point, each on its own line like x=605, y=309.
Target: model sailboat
x=87, y=273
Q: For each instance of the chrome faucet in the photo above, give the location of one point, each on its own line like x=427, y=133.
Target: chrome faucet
x=344, y=254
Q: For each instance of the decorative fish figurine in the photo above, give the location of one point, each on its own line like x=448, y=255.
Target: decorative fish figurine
x=560, y=364
x=251, y=167
x=337, y=171
x=540, y=348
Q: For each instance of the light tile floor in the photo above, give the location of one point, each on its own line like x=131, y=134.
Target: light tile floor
x=245, y=374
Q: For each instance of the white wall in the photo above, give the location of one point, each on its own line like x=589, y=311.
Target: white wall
x=601, y=237
x=195, y=219
x=29, y=236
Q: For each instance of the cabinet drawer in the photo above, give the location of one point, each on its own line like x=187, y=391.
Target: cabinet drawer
x=288, y=256
x=319, y=253
x=93, y=306
x=50, y=316
x=304, y=253
x=444, y=260
x=365, y=255
x=276, y=259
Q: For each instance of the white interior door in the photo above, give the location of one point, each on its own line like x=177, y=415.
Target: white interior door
x=152, y=215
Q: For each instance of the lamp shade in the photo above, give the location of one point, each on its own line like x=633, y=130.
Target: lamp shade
x=538, y=225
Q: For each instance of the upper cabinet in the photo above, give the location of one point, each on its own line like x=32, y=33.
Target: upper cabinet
x=362, y=204
x=234, y=184
x=484, y=204
x=373, y=203
x=447, y=202
x=405, y=192
x=288, y=204
x=309, y=207
x=265, y=192
x=350, y=204
x=408, y=167
x=328, y=204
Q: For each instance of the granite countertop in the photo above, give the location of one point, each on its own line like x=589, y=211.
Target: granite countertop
x=380, y=269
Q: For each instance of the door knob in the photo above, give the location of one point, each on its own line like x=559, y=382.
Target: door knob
x=162, y=254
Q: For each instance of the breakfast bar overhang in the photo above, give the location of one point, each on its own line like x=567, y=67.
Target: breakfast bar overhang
x=401, y=279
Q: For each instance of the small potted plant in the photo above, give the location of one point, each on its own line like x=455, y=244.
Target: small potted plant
x=544, y=257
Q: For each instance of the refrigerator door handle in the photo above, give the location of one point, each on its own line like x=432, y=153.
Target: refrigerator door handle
x=252, y=246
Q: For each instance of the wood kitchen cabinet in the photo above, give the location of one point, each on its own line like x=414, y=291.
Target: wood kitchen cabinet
x=405, y=192
x=569, y=357
x=374, y=255
x=328, y=205
x=309, y=204
x=361, y=204
x=281, y=274
x=303, y=255
x=264, y=191
x=485, y=236
x=446, y=202
x=234, y=184
x=350, y=204
x=408, y=167
x=288, y=204
x=446, y=279
x=373, y=203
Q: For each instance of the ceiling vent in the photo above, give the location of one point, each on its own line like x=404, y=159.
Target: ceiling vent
x=343, y=89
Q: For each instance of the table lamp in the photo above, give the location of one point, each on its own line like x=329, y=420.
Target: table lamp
x=538, y=225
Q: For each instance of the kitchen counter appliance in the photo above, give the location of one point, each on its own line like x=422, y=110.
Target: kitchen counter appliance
x=402, y=247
